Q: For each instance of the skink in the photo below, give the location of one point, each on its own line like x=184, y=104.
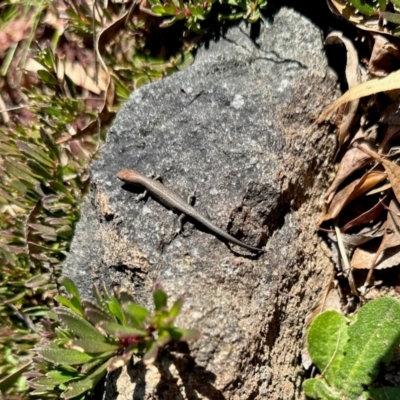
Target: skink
x=173, y=201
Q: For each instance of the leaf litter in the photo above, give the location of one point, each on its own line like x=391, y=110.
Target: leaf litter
x=362, y=205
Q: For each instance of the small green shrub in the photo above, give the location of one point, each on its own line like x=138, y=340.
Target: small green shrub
x=348, y=353
x=83, y=340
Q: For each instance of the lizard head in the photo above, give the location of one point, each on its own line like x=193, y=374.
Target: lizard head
x=129, y=176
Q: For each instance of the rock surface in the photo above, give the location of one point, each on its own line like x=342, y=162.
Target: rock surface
x=233, y=126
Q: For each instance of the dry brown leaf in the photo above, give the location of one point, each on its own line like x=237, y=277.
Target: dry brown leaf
x=352, y=191
x=14, y=32
x=353, y=160
x=365, y=235
x=379, y=189
x=392, y=169
x=81, y=76
x=362, y=258
x=367, y=216
x=390, y=82
x=383, y=57
x=106, y=35
x=390, y=239
x=390, y=133
x=353, y=77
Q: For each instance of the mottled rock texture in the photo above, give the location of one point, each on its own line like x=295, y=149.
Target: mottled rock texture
x=233, y=125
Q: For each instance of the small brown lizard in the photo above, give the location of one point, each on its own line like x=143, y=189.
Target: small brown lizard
x=173, y=201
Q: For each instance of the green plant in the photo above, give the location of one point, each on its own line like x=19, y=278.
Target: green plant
x=249, y=10
x=192, y=12
x=83, y=339
x=348, y=353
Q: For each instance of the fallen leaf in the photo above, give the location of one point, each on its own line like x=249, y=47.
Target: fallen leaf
x=362, y=258
x=353, y=77
x=353, y=160
x=353, y=190
x=390, y=239
x=365, y=235
x=379, y=189
x=392, y=169
x=377, y=85
x=391, y=132
x=367, y=216
x=81, y=76
x=18, y=29
x=385, y=56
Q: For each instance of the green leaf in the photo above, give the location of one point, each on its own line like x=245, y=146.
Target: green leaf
x=55, y=380
x=176, y=308
x=115, y=308
x=122, y=331
x=164, y=337
x=73, y=304
x=382, y=393
x=372, y=338
x=38, y=169
x=320, y=390
x=63, y=356
x=17, y=170
x=94, y=346
x=363, y=6
x=183, y=334
x=47, y=77
x=160, y=299
x=77, y=388
x=62, y=376
x=137, y=314
x=76, y=324
x=101, y=298
x=391, y=17
x=151, y=353
x=49, y=142
x=38, y=280
x=395, y=2
x=10, y=380
x=159, y=10
x=95, y=315
x=326, y=339
x=70, y=286
x=71, y=86
x=36, y=153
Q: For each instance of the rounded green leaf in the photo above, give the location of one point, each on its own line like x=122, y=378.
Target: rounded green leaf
x=326, y=339
x=372, y=337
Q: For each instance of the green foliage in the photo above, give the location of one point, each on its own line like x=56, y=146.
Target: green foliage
x=348, y=353
x=83, y=339
x=386, y=10
x=248, y=10
x=364, y=7
x=192, y=12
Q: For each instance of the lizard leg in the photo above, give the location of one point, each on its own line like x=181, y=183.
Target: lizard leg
x=192, y=197
x=181, y=219
x=156, y=177
x=142, y=196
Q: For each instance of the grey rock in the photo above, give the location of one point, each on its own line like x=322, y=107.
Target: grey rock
x=233, y=125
